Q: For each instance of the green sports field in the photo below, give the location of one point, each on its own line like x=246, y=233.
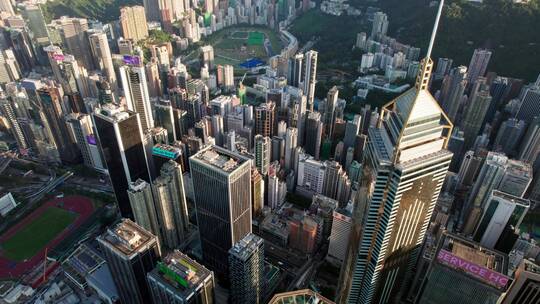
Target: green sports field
x=255, y=38
x=34, y=236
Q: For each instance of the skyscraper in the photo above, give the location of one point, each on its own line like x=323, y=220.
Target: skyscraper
x=102, y=56
x=257, y=192
x=246, y=270
x=228, y=77
x=524, y=288
x=9, y=69
x=207, y=56
x=80, y=126
x=497, y=173
x=339, y=235
x=35, y=21
x=121, y=139
x=476, y=112
x=73, y=34
x=152, y=75
x=6, y=110
x=294, y=77
x=165, y=118
x=152, y=10
x=131, y=252
x=133, y=23
x=171, y=206
x=223, y=219
x=68, y=73
x=502, y=215
x=406, y=165
x=265, y=119
x=314, y=129
x=329, y=111
x=50, y=103
x=291, y=139
x=380, y=25
x=143, y=207
x=530, y=104
x=444, y=65
x=509, y=135
x=452, y=90
x=310, y=77
x=178, y=279
x=136, y=92
x=530, y=145
x=262, y=154
x=478, y=65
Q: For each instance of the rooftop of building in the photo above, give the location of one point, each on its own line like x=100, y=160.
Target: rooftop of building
x=221, y=99
x=167, y=151
x=220, y=158
x=102, y=280
x=138, y=185
x=530, y=266
x=274, y=224
x=206, y=48
x=323, y=203
x=266, y=106
x=520, y=168
x=511, y=198
x=475, y=253
x=127, y=238
x=246, y=247
x=179, y=271
x=304, y=296
x=82, y=262
x=112, y=112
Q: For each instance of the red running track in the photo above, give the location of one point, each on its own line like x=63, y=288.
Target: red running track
x=78, y=204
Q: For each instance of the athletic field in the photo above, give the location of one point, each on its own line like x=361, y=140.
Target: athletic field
x=31, y=238
x=237, y=44
x=23, y=246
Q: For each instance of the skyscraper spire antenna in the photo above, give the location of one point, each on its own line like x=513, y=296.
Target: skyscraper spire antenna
x=422, y=80
x=435, y=28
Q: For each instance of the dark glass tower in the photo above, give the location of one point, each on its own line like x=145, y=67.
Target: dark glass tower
x=121, y=140
x=131, y=253
x=223, y=202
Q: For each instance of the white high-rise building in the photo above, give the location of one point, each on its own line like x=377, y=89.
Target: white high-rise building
x=342, y=224
x=291, y=138
x=81, y=129
x=380, y=25
x=228, y=77
x=136, y=93
x=311, y=174
x=502, y=212
x=367, y=62
x=102, y=56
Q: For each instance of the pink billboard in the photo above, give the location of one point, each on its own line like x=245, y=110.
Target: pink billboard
x=58, y=57
x=491, y=277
